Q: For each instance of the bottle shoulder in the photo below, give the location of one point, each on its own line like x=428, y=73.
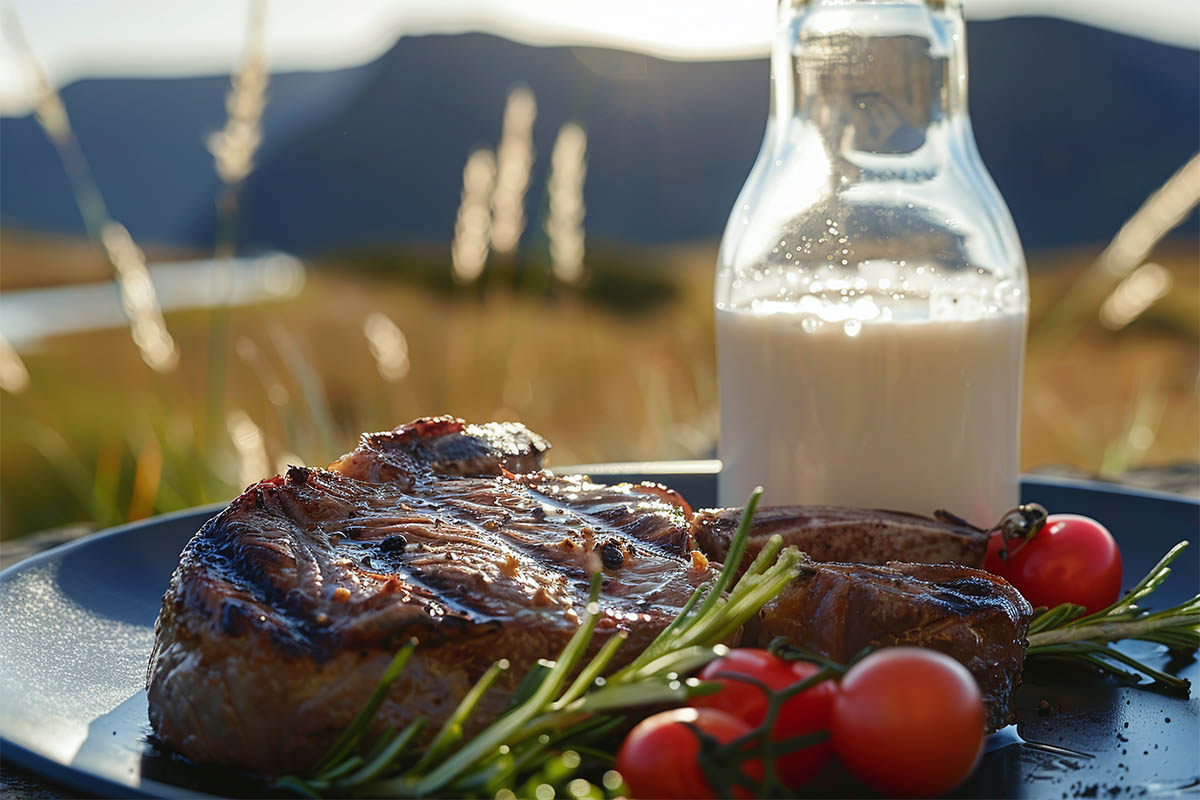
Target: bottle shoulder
x=938, y=207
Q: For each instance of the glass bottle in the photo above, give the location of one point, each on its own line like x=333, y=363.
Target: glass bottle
x=871, y=293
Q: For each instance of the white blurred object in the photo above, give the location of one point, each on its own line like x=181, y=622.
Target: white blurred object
x=514, y=160
x=472, y=229
x=1158, y=216
x=1144, y=287
x=564, y=223
x=29, y=315
x=388, y=345
x=233, y=147
x=251, y=448
x=139, y=299
x=165, y=37
x=14, y=377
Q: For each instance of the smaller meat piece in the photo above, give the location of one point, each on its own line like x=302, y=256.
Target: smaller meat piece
x=834, y=533
x=444, y=446
x=970, y=615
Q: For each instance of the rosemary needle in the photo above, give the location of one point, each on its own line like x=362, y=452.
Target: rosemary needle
x=552, y=715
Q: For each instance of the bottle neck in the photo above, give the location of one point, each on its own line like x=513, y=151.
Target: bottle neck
x=871, y=77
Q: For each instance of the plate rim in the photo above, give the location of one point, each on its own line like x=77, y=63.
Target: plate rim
x=59, y=774
x=92, y=538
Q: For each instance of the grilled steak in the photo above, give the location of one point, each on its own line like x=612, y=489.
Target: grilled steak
x=973, y=616
x=287, y=606
x=859, y=535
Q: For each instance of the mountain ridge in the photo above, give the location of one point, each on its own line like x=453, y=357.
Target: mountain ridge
x=1077, y=125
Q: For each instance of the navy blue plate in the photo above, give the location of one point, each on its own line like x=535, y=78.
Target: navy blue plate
x=78, y=625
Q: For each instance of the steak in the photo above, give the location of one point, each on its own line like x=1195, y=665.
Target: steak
x=858, y=535
x=970, y=615
x=288, y=605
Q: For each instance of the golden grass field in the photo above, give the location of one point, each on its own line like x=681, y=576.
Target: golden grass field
x=100, y=438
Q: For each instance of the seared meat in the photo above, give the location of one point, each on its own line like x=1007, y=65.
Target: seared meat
x=840, y=608
x=973, y=616
x=859, y=535
x=288, y=605
x=445, y=446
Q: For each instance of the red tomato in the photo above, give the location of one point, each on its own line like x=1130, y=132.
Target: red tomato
x=1072, y=559
x=909, y=721
x=807, y=712
x=658, y=759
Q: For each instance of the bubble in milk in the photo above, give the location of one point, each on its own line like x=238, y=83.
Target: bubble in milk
x=852, y=327
x=1009, y=296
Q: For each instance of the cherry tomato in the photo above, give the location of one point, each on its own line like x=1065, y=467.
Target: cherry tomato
x=659, y=757
x=807, y=712
x=909, y=721
x=1072, y=559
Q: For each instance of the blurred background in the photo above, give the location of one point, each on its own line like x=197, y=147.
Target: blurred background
x=237, y=234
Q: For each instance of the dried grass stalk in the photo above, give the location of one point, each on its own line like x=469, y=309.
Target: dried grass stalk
x=472, y=229
x=138, y=297
x=14, y=377
x=564, y=223
x=235, y=145
x=514, y=161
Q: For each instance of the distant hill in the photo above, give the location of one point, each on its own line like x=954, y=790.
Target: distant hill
x=1076, y=124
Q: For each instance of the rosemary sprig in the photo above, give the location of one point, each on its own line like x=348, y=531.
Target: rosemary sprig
x=541, y=737
x=1068, y=633
x=722, y=763
x=351, y=736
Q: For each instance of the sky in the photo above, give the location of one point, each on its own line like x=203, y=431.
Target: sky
x=73, y=39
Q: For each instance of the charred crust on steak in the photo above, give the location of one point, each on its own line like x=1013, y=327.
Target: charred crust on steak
x=393, y=544
x=233, y=618
x=447, y=446
x=440, y=531
x=611, y=556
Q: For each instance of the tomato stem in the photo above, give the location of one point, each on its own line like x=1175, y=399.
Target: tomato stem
x=1018, y=526
x=723, y=764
